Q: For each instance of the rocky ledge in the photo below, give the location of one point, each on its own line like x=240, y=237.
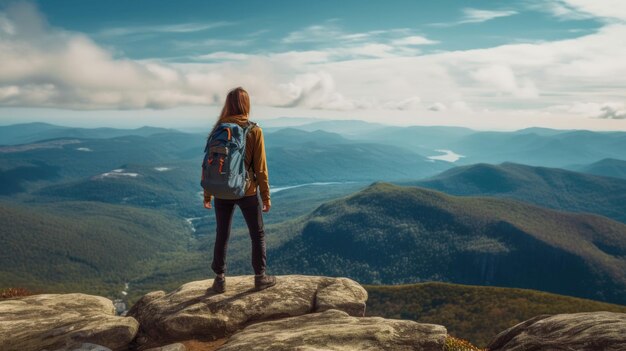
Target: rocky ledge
x=194, y=311
x=336, y=330
x=62, y=322
x=299, y=313
x=587, y=331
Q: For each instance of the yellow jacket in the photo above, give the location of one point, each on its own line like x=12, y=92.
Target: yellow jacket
x=255, y=152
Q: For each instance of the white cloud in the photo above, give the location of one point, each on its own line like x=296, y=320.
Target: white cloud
x=557, y=8
x=211, y=43
x=502, y=79
x=612, y=112
x=171, y=28
x=461, y=106
x=603, y=110
x=610, y=10
x=314, y=33
x=43, y=66
x=410, y=103
x=413, y=40
x=49, y=67
x=375, y=43
x=437, y=106
x=221, y=56
x=471, y=15
x=316, y=91
x=367, y=50
x=8, y=92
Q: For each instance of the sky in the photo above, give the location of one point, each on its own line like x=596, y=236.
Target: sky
x=487, y=65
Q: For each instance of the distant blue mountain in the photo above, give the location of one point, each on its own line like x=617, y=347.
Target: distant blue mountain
x=534, y=146
x=293, y=136
x=609, y=167
x=552, y=149
x=549, y=187
x=30, y=132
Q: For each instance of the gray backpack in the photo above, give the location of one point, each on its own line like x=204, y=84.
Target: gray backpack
x=224, y=172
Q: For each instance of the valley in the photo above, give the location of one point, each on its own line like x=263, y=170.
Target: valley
x=336, y=210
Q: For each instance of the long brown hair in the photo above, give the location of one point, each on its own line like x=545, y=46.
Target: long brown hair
x=237, y=103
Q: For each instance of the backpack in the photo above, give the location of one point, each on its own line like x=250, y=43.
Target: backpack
x=224, y=173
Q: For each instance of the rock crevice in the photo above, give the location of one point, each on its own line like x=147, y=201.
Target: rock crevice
x=194, y=311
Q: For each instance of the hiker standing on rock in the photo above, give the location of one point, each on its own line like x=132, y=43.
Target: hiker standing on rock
x=234, y=171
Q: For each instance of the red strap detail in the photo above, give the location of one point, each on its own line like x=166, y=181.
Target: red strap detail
x=221, y=164
x=229, y=135
x=210, y=160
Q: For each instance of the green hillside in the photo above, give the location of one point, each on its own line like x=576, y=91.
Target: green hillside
x=166, y=185
x=81, y=158
x=83, y=246
x=294, y=157
x=389, y=234
x=474, y=313
x=549, y=187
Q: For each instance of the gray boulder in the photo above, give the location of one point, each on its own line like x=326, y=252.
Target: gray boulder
x=63, y=322
x=587, y=331
x=171, y=347
x=89, y=347
x=194, y=311
x=336, y=330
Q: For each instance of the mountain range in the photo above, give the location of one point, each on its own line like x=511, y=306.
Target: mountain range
x=548, y=187
x=608, y=167
x=135, y=195
x=387, y=234
x=30, y=132
x=532, y=146
x=84, y=246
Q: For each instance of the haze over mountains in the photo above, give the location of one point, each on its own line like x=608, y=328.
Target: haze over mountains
x=31, y=132
x=539, y=208
x=533, y=146
x=609, y=167
x=549, y=187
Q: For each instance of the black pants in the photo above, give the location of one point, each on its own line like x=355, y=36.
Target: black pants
x=252, y=212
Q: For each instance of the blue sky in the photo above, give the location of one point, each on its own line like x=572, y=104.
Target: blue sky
x=482, y=64
x=148, y=29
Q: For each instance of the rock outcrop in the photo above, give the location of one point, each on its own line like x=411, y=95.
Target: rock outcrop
x=587, y=331
x=298, y=313
x=336, y=330
x=194, y=311
x=171, y=347
x=62, y=322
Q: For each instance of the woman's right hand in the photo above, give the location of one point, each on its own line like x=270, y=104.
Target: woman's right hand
x=207, y=204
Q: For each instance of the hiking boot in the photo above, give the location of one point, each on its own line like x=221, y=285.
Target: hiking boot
x=264, y=281
x=219, y=284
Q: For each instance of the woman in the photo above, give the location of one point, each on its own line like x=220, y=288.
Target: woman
x=236, y=110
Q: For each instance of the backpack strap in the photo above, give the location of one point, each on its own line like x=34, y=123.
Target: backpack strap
x=251, y=125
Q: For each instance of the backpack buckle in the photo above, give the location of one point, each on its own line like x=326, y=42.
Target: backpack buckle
x=219, y=150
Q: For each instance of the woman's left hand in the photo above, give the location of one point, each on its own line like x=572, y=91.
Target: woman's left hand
x=207, y=204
